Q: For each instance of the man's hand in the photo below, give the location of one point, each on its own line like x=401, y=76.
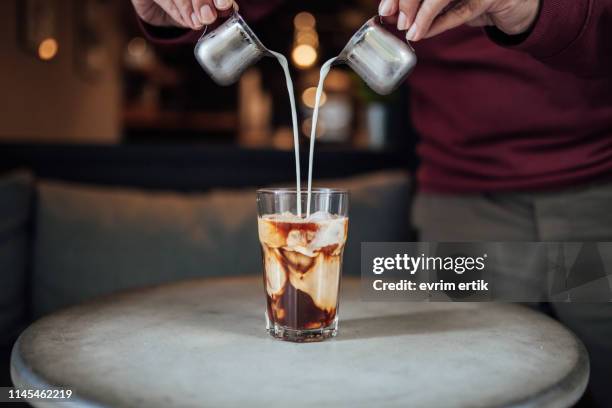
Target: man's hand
x=181, y=13
x=426, y=18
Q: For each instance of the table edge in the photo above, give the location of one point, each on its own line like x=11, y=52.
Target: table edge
x=23, y=377
x=560, y=394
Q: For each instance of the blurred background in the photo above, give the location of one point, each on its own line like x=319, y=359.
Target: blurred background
x=123, y=165
x=81, y=72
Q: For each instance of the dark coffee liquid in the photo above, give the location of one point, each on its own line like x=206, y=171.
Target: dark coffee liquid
x=296, y=309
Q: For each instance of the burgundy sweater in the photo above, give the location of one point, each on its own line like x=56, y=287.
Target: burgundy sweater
x=499, y=113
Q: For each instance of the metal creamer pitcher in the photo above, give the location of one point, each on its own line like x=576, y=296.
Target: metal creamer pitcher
x=229, y=50
x=381, y=59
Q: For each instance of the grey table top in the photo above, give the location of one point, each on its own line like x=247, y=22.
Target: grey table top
x=202, y=343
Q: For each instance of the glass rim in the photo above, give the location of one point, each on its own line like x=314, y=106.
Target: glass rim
x=304, y=191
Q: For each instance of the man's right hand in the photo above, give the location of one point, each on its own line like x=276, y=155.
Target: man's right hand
x=426, y=18
x=192, y=14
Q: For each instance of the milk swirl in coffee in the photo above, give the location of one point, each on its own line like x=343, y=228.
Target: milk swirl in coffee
x=302, y=265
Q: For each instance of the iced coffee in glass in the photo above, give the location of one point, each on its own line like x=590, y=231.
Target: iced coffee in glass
x=302, y=248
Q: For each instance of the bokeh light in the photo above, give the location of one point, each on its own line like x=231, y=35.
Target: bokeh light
x=309, y=97
x=307, y=127
x=304, y=21
x=137, y=47
x=304, y=55
x=307, y=37
x=47, y=49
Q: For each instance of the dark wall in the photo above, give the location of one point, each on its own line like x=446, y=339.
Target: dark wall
x=189, y=168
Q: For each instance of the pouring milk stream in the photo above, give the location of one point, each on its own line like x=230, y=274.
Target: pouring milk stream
x=380, y=58
x=313, y=131
x=296, y=130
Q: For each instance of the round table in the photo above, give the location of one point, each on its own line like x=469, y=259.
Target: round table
x=202, y=343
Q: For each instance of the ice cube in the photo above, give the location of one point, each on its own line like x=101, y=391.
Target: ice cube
x=330, y=232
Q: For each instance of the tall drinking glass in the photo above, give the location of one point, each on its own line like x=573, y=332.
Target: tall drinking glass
x=302, y=257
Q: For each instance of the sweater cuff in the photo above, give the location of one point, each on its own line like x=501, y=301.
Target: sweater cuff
x=558, y=25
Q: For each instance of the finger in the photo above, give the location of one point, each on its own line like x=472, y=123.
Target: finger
x=408, y=10
x=186, y=9
x=205, y=11
x=197, y=10
x=388, y=7
x=428, y=10
x=195, y=14
x=223, y=4
x=171, y=10
x=456, y=16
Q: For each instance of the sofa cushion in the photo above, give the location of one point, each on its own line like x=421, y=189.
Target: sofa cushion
x=16, y=191
x=95, y=240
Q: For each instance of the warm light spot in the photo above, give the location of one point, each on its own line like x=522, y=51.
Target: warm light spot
x=308, y=37
x=309, y=97
x=304, y=56
x=304, y=20
x=47, y=49
x=307, y=127
x=137, y=47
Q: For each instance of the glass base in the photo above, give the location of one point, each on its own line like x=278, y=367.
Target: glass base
x=302, y=336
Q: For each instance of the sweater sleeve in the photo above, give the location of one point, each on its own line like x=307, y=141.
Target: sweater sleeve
x=568, y=35
x=169, y=35
x=250, y=9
